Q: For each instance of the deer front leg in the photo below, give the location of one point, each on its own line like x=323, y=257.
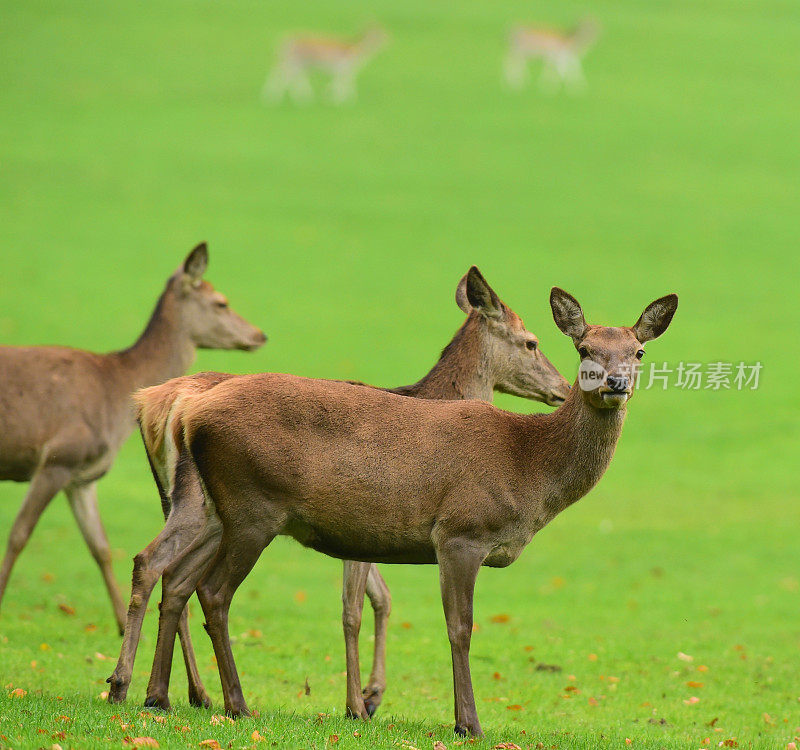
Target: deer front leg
x=47, y=481
x=381, y=600
x=354, y=582
x=459, y=562
x=83, y=501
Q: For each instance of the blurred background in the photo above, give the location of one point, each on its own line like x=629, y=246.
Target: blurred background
x=129, y=132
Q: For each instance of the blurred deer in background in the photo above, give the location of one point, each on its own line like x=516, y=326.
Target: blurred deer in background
x=341, y=59
x=360, y=474
x=66, y=412
x=491, y=351
x=560, y=52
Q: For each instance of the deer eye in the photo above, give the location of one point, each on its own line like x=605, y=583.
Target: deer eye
x=640, y=354
x=531, y=345
x=220, y=304
x=583, y=351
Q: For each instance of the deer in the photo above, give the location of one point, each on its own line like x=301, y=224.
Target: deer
x=362, y=474
x=341, y=59
x=66, y=412
x=492, y=350
x=561, y=53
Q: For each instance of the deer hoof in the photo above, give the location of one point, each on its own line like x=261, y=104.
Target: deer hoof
x=372, y=699
x=199, y=700
x=117, y=691
x=155, y=702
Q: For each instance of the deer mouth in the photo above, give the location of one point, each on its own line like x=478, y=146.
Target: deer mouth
x=614, y=399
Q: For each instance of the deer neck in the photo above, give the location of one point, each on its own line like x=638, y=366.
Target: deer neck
x=462, y=371
x=574, y=446
x=163, y=351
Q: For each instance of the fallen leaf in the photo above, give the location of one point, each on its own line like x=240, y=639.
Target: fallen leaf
x=48, y=577
x=729, y=743
x=256, y=736
x=592, y=657
x=102, y=657
x=506, y=746
x=514, y=707
x=307, y=687
x=300, y=597
x=18, y=693
x=497, y=676
x=44, y=647
x=685, y=657
x=628, y=741
x=103, y=696
x=255, y=633
x=90, y=628
x=702, y=668
x=66, y=609
x=220, y=719
x=593, y=702
x=406, y=625
x=333, y=739
x=439, y=745
x=768, y=719
x=143, y=742
x=500, y=619
x=694, y=684
x=212, y=744
x=692, y=701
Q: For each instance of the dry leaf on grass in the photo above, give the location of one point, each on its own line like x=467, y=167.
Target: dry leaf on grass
x=506, y=746
x=142, y=742
x=500, y=619
x=17, y=693
x=66, y=609
x=439, y=745
x=211, y=744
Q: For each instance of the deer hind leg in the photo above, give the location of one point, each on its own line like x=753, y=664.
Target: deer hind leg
x=573, y=73
x=343, y=85
x=237, y=554
x=354, y=583
x=179, y=582
x=458, y=568
x=83, y=502
x=186, y=521
x=277, y=82
x=298, y=83
x=381, y=600
x=44, y=486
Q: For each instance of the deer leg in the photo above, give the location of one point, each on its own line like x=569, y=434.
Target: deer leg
x=197, y=692
x=83, y=501
x=178, y=583
x=276, y=84
x=300, y=86
x=550, y=78
x=343, y=86
x=381, y=600
x=235, y=558
x=459, y=563
x=44, y=486
x=354, y=582
x=174, y=540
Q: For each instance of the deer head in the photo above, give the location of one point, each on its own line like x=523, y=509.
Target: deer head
x=205, y=315
x=610, y=356
x=512, y=355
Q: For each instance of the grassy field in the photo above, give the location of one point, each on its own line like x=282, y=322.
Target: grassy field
x=131, y=131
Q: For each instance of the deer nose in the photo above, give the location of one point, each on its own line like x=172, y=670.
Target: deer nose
x=618, y=383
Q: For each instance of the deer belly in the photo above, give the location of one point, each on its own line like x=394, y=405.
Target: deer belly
x=365, y=542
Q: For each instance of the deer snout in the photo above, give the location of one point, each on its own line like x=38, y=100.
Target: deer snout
x=618, y=383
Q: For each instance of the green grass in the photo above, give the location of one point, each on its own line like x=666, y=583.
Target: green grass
x=131, y=131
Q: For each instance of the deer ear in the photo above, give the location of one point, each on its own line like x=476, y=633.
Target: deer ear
x=196, y=262
x=656, y=318
x=568, y=314
x=474, y=293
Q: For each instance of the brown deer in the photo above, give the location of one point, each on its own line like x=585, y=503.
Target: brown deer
x=66, y=412
x=492, y=350
x=360, y=474
x=342, y=59
x=560, y=52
